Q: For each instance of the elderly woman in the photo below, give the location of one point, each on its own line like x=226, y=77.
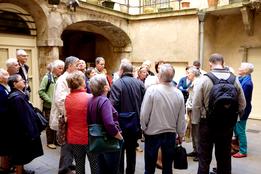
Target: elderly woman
x=4, y=150
x=89, y=73
x=193, y=124
x=25, y=143
x=101, y=111
x=245, y=80
x=142, y=73
x=76, y=111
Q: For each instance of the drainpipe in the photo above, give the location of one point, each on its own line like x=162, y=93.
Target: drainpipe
x=201, y=17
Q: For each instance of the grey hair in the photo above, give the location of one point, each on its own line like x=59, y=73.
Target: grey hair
x=2, y=71
x=11, y=62
x=57, y=63
x=21, y=52
x=98, y=60
x=166, y=73
x=248, y=66
x=69, y=61
x=97, y=84
x=194, y=70
x=126, y=68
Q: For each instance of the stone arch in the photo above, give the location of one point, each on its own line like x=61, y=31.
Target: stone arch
x=117, y=37
x=106, y=40
x=35, y=11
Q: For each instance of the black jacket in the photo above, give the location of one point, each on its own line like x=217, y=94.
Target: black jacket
x=127, y=94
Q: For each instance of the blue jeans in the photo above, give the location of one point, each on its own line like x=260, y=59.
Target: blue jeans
x=167, y=142
x=240, y=133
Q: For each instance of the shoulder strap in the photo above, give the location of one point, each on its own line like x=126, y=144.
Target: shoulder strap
x=231, y=78
x=48, y=82
x=212, y=77
x=215, y=80
x=132, y=103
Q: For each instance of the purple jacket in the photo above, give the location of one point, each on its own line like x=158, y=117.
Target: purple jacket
x=101, y=111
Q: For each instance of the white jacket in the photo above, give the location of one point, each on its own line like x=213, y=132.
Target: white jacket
x=61, y=90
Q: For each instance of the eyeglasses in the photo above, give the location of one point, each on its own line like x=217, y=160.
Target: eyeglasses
x=19, y=80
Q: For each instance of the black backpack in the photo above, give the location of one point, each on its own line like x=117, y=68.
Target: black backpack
x=49, y=81
x=223, y=99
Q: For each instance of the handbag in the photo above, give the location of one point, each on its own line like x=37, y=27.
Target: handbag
x=180, y=158
x=100, y=141
x=129, y=123
x=62, y=130
x=41, y=121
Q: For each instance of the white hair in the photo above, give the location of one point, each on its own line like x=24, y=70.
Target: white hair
x=2, y=72
x=20, y=52
x=10, y=62
x=57, y=63
x=247, y=66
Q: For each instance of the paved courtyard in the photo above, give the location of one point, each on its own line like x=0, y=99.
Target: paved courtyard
x=48, y=163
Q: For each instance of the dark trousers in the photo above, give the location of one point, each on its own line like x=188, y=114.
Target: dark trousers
x=220, y=135
x=195, y=136
x=66, y=158
x=167, y=142
x=79, y=153
x=50, y=134
x=130, y=144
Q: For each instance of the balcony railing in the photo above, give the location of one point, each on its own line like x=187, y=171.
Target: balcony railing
x=134, y=7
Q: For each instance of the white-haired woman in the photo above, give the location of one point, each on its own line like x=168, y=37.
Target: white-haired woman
x=46, y=94
x=245, y=80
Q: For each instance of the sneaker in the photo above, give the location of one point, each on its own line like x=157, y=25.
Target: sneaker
x=192, y=154
x=51, y=146
x=239, y=155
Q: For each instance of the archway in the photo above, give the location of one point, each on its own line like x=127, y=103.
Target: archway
x=90, y=39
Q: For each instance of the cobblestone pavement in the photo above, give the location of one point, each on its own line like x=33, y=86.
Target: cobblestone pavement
x=48, y=163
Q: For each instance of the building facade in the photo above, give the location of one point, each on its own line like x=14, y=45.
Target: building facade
x=164, y=31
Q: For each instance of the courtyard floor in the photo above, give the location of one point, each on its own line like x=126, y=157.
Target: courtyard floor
x=48, y=163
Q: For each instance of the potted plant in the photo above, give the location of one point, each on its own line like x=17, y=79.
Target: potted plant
x=212, y=3
x=108, y=4
x=185, y=4
x=148, y=7
x=54, y=2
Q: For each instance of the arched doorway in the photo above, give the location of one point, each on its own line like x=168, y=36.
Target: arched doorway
x=90, y=39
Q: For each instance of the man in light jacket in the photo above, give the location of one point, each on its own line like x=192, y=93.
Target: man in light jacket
x=162, y=118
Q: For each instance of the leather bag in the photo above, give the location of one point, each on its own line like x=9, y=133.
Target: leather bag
x=41, y=121
x=100, y=141
x=180, y=158
x=129, y=123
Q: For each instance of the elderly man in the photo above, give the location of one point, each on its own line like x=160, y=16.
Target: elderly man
x=22, y=58
x=126, y=96
x=162, y=118
x=58, y=114
x=99, y=65
x=216, y=126
x=12, y=66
